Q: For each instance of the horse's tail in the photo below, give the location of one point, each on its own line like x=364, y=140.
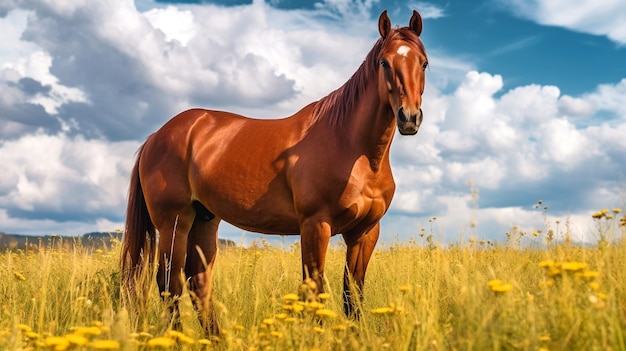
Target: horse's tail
x=139, y=236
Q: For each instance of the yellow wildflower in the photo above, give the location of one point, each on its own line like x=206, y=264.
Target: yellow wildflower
x=405, y=288
x=318, y=330
x=161, y=341
x=498, y=286
x=502, y=288
x=106, y=345
x=179, y=336
x=326, y=313
x=290, y=298
x=19, y=276
x=617, y=210
x=314, y=305
x=588, y=274
x=268, y=321
x=205, y=342
x=594, y=286
x=32, y=335
x=24, y=328
x=77, y=340
x=57, y=343
x=88, y=331
x=340, y=327
x=494, y=282
x=276, y=334
x=323, y=296
x=546, y=263
x=573, y=266
x=382, y=310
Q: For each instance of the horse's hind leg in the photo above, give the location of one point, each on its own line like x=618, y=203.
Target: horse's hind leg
x=201, y=252
x=173, y=233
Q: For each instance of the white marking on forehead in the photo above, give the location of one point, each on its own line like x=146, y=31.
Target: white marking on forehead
x=403, y=50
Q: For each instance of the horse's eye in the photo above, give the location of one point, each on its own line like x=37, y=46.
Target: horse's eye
x=425, y=65
x=384, y=64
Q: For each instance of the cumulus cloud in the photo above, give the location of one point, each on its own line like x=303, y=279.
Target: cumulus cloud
x=82, y=77
x=610, y=97
x=89, y=80
x=516, y=146
x=65, y=178
x=606, y=17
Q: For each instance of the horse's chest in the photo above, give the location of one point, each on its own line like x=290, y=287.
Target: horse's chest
x=363, y=203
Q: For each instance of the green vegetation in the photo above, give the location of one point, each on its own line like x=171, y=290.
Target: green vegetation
x=536, y=291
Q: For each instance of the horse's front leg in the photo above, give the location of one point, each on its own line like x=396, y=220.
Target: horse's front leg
x=359, y=250
x=314, y=237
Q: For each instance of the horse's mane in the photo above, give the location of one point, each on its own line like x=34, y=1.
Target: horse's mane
x=341, y=103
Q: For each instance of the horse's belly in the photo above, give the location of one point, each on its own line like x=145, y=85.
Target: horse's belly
x=265, y=222
x=268, y=213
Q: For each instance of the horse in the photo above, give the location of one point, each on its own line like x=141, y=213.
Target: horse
x=323, y=171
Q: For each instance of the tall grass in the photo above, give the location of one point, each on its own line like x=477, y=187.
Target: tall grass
x=419, y=295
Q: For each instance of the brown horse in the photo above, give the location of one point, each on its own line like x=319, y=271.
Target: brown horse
x=323, y=171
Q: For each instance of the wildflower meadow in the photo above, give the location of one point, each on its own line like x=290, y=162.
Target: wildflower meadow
x=531, y=291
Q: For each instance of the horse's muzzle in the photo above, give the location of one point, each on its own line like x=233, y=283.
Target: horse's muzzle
x=408, y=124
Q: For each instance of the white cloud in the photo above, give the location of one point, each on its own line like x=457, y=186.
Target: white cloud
x=517, y=146
x=427, y=10
x=174, y=23
x=576, y=107
x=599, y=17
x=11, y=27
x=89, y=75
x=62, y=176
x=610, y=97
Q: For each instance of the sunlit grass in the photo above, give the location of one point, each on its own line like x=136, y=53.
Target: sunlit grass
x=546, y=294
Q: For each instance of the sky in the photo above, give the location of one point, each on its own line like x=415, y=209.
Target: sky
x=525, y=101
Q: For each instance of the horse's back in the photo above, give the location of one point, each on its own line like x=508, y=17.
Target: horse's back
x=235, y=166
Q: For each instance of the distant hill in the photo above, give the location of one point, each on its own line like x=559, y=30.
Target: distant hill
x=93, y=241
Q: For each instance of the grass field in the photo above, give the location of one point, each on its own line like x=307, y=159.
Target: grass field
x=536, y=291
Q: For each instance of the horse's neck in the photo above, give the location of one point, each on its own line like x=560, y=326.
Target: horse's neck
x=369, y=127
x=376, y=128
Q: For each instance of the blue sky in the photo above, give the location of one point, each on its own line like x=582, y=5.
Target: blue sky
x=526, y=99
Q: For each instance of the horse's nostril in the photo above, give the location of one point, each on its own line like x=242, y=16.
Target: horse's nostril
x=403, y=116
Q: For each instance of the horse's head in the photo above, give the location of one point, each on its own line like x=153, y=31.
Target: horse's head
x=401, y=74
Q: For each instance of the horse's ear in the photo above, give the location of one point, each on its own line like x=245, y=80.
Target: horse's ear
x=384, y=24
x=416, y=23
